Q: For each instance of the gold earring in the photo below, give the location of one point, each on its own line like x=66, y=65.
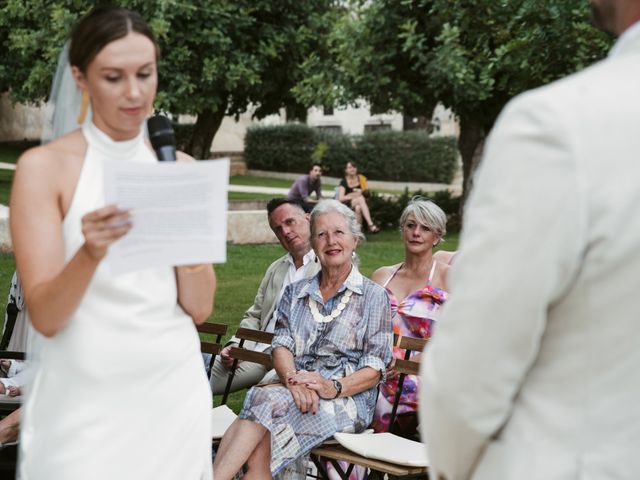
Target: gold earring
x=83, y=108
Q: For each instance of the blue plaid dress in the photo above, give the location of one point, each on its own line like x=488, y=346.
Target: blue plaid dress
x=360, y=337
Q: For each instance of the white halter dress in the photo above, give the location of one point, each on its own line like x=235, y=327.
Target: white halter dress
x=121, y=391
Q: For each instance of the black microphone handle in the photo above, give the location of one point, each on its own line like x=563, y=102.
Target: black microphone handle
x=166, y=153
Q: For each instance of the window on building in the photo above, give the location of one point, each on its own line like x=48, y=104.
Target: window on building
x=329, y=128
x=326, y=111
x=377, y=127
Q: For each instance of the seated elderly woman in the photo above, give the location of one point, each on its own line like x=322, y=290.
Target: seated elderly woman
x=331, y=345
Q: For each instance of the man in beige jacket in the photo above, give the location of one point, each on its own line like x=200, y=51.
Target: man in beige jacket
x=290, y=223
x=534, y=369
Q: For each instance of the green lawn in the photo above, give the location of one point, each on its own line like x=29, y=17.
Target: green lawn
x=250, y=196
x=10, y=153
x=263, y=181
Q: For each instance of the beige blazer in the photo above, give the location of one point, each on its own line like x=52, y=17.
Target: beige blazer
x=533, y=371
x=258, y=315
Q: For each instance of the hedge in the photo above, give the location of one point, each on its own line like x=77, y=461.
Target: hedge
x=396, y=156
x=285, y=148
x=386, y=211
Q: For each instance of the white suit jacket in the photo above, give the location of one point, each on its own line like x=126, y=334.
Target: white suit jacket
x=533, y=371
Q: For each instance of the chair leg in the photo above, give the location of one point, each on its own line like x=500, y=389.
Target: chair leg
x=322, y=472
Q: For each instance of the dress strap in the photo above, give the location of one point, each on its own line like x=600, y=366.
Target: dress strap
x=433, y=270
x=392, y=275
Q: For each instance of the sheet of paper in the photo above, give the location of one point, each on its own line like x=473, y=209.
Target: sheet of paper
x=178, y=211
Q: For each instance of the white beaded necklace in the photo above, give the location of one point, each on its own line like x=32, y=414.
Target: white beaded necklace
x=318, y=317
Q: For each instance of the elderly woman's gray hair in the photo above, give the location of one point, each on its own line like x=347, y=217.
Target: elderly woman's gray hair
x=427, y=213
x=328, y=206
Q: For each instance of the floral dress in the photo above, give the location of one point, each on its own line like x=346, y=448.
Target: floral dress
x=357, y=338
x=412, y=317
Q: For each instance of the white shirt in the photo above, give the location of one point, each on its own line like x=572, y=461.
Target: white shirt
x=293, y=275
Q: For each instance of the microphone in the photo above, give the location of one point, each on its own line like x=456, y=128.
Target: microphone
x=162, y=138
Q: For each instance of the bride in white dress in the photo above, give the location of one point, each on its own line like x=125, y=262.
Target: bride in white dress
x=121, y=390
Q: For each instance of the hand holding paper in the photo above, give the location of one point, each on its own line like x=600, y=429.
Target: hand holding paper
x=178, y=212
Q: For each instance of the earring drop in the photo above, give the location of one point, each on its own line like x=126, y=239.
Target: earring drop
x=83, y=108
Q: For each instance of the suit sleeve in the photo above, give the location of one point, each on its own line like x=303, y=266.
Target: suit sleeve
x=520, y=250
x=252, y=317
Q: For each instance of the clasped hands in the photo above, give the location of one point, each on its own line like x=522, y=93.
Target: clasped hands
x=307, y=388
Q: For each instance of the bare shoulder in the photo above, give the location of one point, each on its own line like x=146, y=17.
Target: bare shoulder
x=382, y=273
x=49, y=173
x=441, y=276
x=444, y=256
x=55, y=157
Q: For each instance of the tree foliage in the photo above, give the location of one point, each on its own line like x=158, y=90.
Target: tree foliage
x=471, y=55
x=218, y=57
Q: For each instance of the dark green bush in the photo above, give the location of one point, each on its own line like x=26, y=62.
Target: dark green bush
x=407, y=156
x=339, y=150
x=386, y=211
x=395, y=156
x=281, y=148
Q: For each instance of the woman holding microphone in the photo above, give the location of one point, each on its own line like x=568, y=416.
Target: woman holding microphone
x=121, y=383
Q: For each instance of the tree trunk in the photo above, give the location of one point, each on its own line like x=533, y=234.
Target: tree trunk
x=470, y=143
x=204, y=130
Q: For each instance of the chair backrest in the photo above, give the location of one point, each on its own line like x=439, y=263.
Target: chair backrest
x=213, y=348
x=240, y=353
x=405, y=367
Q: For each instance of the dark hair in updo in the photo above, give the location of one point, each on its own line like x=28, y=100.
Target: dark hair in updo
x=101, y=26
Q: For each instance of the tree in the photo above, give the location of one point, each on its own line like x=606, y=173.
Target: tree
x=472, y=55
x=218, y=58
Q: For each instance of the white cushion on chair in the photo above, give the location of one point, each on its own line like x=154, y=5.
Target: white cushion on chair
x=221, y=419
x=386, y=447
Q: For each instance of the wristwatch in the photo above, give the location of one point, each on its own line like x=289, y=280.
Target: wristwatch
x=338, y=386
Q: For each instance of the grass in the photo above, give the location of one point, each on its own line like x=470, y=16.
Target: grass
x=250, y=196
x=10, y=153
x=260, y=181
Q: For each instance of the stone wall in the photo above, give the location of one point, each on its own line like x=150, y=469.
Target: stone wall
x=19, y=122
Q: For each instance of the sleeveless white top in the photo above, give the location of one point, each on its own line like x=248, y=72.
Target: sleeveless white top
x=121, y=391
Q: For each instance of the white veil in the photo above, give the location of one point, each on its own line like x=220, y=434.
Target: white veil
x=65, y=100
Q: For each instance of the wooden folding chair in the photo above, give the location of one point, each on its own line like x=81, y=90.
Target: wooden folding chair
x=335, y=453
x=212, y=348
x=240, y=353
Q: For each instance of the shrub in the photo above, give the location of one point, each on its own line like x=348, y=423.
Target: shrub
x=407, y=156
x=386, y=211
x=396, y=156
x=282, y=148
x=339, y=151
